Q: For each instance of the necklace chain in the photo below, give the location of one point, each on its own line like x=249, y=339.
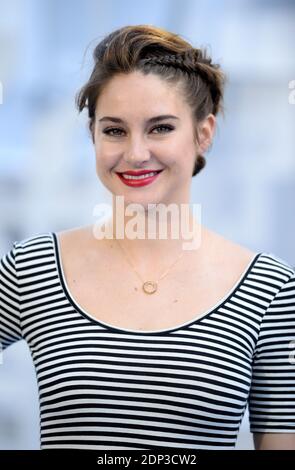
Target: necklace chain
x=149, y=287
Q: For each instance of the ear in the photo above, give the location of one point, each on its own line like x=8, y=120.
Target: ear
x=206, y=131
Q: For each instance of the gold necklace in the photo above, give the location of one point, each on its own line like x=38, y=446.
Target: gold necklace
x=149, y=287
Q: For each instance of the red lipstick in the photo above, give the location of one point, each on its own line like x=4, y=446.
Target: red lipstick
x=137, y=178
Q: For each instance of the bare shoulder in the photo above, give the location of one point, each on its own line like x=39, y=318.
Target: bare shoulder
x=227, y=252
x=81, y=254
x=78, y=241
x=74, y=235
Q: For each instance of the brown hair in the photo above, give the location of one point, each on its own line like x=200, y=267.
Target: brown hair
x=150, y=49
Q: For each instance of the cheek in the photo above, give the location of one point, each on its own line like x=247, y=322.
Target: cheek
x=189, y=149
x=182, y=153
x=184, y=142
x=101, y=164
x=104, y=157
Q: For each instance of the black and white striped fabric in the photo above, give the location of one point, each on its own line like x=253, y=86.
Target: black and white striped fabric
x=104, y=387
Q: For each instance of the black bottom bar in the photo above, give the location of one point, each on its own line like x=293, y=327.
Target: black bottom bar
x=140, y=458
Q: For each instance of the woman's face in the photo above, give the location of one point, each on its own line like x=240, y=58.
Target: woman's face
x=132, y=142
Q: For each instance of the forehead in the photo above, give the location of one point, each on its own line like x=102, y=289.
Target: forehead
x=142, y=91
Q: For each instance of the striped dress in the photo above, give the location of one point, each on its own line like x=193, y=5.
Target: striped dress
x=105, y=387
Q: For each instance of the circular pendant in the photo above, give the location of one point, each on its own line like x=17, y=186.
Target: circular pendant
x=149, y=287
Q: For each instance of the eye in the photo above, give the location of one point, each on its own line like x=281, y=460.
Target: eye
x=164, y=126
x=107, y=131
x=112, y=129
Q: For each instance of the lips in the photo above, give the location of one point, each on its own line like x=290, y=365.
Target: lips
x=138, y=182
x=138, y=172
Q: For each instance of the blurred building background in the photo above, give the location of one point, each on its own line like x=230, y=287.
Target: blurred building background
x=47, y=168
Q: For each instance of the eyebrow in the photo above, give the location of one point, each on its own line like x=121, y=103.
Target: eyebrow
x=151, y=120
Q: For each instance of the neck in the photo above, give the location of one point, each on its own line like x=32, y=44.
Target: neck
x=152, y=239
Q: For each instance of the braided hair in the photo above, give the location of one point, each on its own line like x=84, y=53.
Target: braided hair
x=150, y=49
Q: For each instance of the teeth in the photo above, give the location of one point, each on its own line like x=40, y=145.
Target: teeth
x=141, y=177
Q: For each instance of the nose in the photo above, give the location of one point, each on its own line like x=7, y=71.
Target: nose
x=136, y=153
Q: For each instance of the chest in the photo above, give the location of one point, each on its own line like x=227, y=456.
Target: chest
x=114, y=295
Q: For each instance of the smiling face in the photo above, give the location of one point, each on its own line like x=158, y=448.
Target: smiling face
x=133, y=142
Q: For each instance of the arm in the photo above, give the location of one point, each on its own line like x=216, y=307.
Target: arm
x=274, y=441
x=272, y=392
x=10, y=325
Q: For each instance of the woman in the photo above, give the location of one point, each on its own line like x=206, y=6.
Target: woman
x=139, y=343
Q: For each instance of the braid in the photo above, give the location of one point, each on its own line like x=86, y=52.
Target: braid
x=192, y=61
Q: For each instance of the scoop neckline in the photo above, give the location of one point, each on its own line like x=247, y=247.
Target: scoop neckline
x=89, y=316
